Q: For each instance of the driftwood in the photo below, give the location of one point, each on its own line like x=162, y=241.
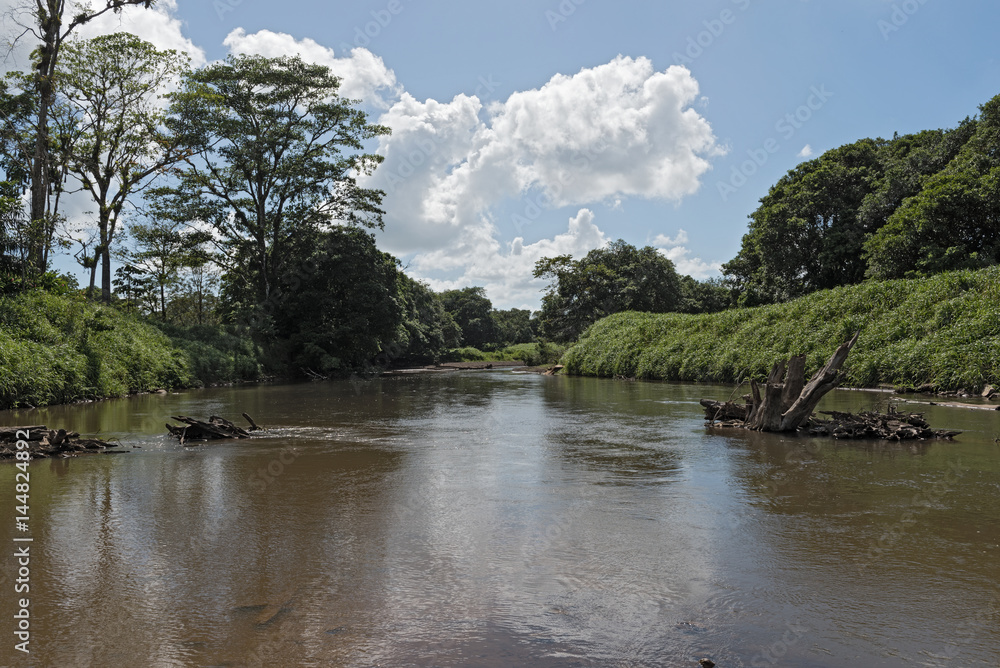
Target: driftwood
x=215, y=428
x=893, y=426
x=785, y=403
x=45, y=442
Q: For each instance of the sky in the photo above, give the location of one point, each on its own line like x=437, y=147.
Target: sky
x=531, y=128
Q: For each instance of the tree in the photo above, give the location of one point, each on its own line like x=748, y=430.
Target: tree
x=953, y=222
x=162, y=249
x=473, y=313
x=108, y=95
x=806, y=234
x=344, y=311
x=607, y=280
x=52, y=28
x=426, y=330
x=513, y=326
x=276, y=156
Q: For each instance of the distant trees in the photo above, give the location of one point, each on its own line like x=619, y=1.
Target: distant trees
x=607, y=280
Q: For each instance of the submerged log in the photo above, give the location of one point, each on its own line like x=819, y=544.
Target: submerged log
x=216, y=428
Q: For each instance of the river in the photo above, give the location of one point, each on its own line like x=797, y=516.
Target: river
x=502, y=519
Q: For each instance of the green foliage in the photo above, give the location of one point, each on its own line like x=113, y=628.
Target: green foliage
x=913, y=205
x=342, y=310
x=472, y=311
x=513, y=326
x=216, y=354
x=426, y=330
x=272, y=139
x=607, y=280
x=953, y=222
x=943, y=330
x=56, y=349
x=532, y=354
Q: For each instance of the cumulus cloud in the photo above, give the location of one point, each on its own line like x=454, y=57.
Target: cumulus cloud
x=505, y=269
x=673, y=249
x=617, y=130
x=364, y=75
x=157, y=25
x=806, y=151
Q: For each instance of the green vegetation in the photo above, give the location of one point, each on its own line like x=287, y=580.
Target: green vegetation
x=532, y=354
x=911, y=206
x=61, y=349
x=943, y=330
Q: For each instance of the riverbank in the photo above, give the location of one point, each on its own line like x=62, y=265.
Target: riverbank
x=941, y=332
x=59, y=349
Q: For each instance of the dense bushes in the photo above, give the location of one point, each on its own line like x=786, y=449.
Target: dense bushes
x=56, y=349
x=943, y=330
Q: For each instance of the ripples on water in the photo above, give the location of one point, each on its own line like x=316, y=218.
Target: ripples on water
x=498, y=519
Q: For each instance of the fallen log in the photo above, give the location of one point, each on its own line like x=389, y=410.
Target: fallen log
x=216, y=428
x=44, y=442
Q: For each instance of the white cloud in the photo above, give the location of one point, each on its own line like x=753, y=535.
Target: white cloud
x=363, y=74
x=806, y=151
x=617, y=130
x=686, y=265
x=505, y=269
x=666, y=242
x=156, y=25
x=676, y=252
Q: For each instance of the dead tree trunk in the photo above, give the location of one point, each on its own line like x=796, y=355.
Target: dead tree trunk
x=785, y=402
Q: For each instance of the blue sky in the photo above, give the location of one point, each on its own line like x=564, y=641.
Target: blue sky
x=499, y=160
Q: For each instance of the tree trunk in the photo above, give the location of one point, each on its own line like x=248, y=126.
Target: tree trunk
x=785, y=402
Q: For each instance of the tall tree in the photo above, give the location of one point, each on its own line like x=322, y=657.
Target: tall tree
x=806, y=234
x=53, y=21
x=607, y=280
x=162, y=249
x=277, y=155
x=109, y=98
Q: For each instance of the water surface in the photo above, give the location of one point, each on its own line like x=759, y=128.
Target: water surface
x=499, y=519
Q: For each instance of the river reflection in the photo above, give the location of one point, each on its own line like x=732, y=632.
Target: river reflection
x=498, y=519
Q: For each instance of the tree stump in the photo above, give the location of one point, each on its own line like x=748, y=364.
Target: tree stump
x=785, y=402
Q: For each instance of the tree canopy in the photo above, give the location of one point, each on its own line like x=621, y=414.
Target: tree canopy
x=275, y=154
x=607, y=280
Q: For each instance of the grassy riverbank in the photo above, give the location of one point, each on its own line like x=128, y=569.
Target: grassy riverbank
x=943, y=330
x=60, y=349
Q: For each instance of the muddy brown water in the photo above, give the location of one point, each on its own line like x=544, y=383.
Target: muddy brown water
x=489, y=518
